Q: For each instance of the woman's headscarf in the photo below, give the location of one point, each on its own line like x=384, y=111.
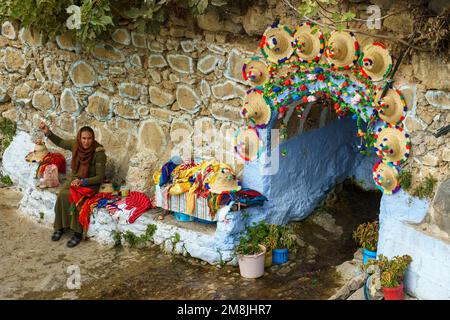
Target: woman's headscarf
x=81, y=158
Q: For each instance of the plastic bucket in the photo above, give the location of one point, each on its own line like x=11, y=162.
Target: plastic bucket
x=204, y=221
x=252, y=266
x=394, y=293
x=280, y=256
x=183, y=217
x=268, y=259
x=367, y=255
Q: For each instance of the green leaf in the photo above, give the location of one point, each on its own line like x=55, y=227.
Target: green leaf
x=340, y=27
x=201, y=6
x=133, y=13
x=348, y=16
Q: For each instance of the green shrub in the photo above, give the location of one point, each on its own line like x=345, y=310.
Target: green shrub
x=7, y=132
x=366, y=235
x=392, y=271
x=132, y=239
x=6, y=180
x=426, y=188
x=404, y=178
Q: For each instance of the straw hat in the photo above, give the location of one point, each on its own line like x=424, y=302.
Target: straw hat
x=39, y=153
x=375, y=61
x=392, y=144
x=256, y=109
x=392, y=108
x=106, y=188
x=276, y=43
x=247, y=144
x=342, y=50
x=223, y=181
x=386, y=177
x=309, y=45
x=255, y=71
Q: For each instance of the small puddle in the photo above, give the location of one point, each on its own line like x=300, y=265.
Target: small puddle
x=151, y=274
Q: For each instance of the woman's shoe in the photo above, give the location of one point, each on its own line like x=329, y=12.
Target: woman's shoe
x=75, y=240
x=57, y=234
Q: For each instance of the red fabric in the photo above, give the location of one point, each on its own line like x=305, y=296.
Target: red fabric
x=89, y=205
x=77, y=194
x=139, y=201
x=53, y=158
x=249, y=193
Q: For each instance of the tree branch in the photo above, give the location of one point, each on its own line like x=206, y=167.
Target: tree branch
x=326, y=25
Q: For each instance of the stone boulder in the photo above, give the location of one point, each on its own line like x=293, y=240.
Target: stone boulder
x=187, y=98
x=227, y=90
x=107, y=53
x=180, y=63
x=43, y=100
x=131, y=90
x=31, y=37
x=68, y=101
x=82, y=74
x=159, y=97
x=67, y=41
x=438, y=99
x=138, y=40
x=53, y=72
x=99, y=106
x=140, y=171
x=122, y=36
x=207, y=64
x=9, y=31
x=13, y=59
x=255, y=22
x=156, y=61
x=439, y=212
x=151, y=136
x=235, y=62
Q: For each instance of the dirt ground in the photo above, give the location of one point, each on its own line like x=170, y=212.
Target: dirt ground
x=33, y=267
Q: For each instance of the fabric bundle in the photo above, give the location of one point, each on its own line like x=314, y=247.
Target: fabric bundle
x=89, y=205
x=52, y=158
x=77, y=196
x=136, y=203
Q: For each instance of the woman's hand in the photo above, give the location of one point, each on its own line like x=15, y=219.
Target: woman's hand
x=43, y=127
x=75, y=183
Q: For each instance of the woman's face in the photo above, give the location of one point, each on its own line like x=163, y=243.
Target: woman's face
x=86, y=139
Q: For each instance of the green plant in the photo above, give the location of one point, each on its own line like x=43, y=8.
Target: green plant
x=392, y=270
x=7, y=132
x=404, y=178
x=247, y=248
x=287, y=238
x=426, y=188
x=117, y=237
x=366, y=235
x=176, y=238
x=6, y=180
x=41, y=215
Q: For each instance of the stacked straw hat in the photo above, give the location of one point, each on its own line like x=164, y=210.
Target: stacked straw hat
x=256, y=109
x=247, y=144
x=342, y=50
x=392, y=107
x=277, y=43
x=255, y=71
x=375, y=61
x=39, y=153
x=386, y=177
x=224, y=181
x=309, y=42
x=392, y=144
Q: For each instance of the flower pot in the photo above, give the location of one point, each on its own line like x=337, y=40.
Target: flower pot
x=268, y=259
x=367, y=255
x=394, y=293
x=252, y=266
x=280, y=256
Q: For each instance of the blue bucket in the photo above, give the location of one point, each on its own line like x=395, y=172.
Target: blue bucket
x=183, y=217
x=367, y=255
x=280, y=256
x=204, y=221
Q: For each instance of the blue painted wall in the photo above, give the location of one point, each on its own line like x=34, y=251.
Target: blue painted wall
x=315, y=162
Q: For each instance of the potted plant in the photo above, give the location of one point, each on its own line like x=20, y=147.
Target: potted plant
x=286, y=240
x=251, y=256
x=392, y=272
x=366, y=236
x=260, y=233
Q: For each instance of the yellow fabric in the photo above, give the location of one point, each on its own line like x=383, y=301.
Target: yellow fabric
x=156, y=176
x=179, y=188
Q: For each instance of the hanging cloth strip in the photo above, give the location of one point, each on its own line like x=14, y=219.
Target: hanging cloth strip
x=77, y=196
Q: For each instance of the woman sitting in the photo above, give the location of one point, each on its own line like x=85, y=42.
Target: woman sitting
x=88, y=170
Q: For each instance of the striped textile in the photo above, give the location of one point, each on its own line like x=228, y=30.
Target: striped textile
x=177, y=203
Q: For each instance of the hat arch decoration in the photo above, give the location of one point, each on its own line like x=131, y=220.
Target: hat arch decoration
x=301, y=66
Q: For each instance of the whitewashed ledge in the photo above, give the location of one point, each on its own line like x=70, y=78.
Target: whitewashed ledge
x=206, y=242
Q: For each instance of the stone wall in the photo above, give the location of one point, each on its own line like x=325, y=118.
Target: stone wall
x=151, y=96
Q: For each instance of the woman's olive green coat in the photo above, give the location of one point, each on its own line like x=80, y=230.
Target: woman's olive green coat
x=63, y=219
